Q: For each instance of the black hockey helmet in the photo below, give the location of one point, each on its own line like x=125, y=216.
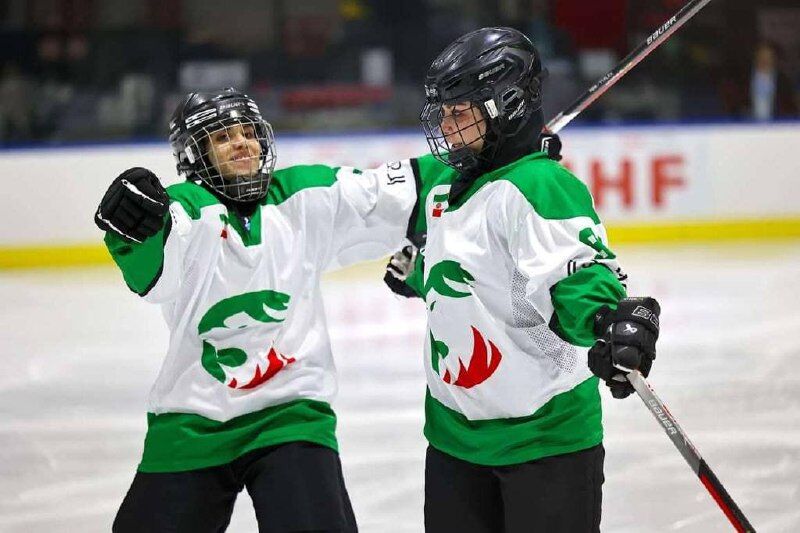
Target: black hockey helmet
x=499, y=72
x=200, y=115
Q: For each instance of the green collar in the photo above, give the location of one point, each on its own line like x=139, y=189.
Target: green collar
x=483, y=179
x=249, y=228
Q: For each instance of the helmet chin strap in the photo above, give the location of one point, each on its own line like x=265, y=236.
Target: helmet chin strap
x=464, y=158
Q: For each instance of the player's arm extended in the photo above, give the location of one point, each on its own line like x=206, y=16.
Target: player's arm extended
x=371, y=212
x=140, y=224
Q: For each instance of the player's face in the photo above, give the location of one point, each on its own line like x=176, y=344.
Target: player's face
x=234, y=151
x=463, y=125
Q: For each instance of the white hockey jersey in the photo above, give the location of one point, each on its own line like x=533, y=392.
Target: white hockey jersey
x=512, y=274
x=249, y=362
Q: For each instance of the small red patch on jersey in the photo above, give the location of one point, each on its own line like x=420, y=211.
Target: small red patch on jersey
x=437, y=210
x=224, y=233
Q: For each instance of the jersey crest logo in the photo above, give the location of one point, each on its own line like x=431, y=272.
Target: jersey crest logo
x=482, y=364
x=448, y=278
x=236, y=328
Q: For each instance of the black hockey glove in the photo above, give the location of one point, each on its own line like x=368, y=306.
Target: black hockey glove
x=550, y=143
x=626, y=341
x=397, y=271
x=133, y=206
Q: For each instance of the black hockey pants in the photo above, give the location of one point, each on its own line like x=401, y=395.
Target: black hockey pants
x=559, y=494
x=294, y=487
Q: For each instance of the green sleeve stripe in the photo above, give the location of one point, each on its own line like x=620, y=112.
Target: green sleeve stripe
x=552, y=190
x=192, y=197
x=141, y=263
x=578, y=297
x=180, y=441
x=288, y=181
x=569, y=422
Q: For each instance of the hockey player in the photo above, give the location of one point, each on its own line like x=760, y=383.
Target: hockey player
x=518, y=282
x=234, y=256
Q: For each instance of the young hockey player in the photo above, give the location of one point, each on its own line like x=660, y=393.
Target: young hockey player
x=234, y=256
x=518, y=282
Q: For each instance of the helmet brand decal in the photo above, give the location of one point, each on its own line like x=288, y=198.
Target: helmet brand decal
x=431, y=92
x=518, y=111
x=229, y=105
x=489, y=72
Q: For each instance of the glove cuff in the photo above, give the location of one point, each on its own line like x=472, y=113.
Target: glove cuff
x=602, y=319
x=642, y=310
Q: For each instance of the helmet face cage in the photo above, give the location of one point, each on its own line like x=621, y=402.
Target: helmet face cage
x=457, y=134
x=234, y=156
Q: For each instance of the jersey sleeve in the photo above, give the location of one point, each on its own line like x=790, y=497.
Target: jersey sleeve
x=153, y=268
x=560, y=247
x=372, y=212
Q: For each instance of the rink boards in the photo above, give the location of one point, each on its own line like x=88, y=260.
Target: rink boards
x=650, y=183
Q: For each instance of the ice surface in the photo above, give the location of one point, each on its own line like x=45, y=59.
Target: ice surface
x=79, y=353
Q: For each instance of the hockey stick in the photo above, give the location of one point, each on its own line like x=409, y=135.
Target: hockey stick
x=689, y=452
x=631, y=60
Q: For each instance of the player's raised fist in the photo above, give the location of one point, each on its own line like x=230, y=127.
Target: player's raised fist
x=134, y=205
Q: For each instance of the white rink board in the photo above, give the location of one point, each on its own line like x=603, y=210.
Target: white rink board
x=637, y=174
x=80, y=353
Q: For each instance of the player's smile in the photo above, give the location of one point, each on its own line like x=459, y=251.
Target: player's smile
x=234, y=151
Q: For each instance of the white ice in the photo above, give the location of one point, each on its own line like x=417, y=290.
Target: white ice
x=79, y=353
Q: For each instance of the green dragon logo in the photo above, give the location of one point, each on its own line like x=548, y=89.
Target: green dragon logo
x=236, y=325
x=448, y=278
x=444, y=275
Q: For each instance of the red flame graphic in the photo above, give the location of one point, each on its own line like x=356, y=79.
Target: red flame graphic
x=480, y=368
x=277, y=362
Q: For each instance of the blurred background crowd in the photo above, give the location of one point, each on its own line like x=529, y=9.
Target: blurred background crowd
x=93, y=70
